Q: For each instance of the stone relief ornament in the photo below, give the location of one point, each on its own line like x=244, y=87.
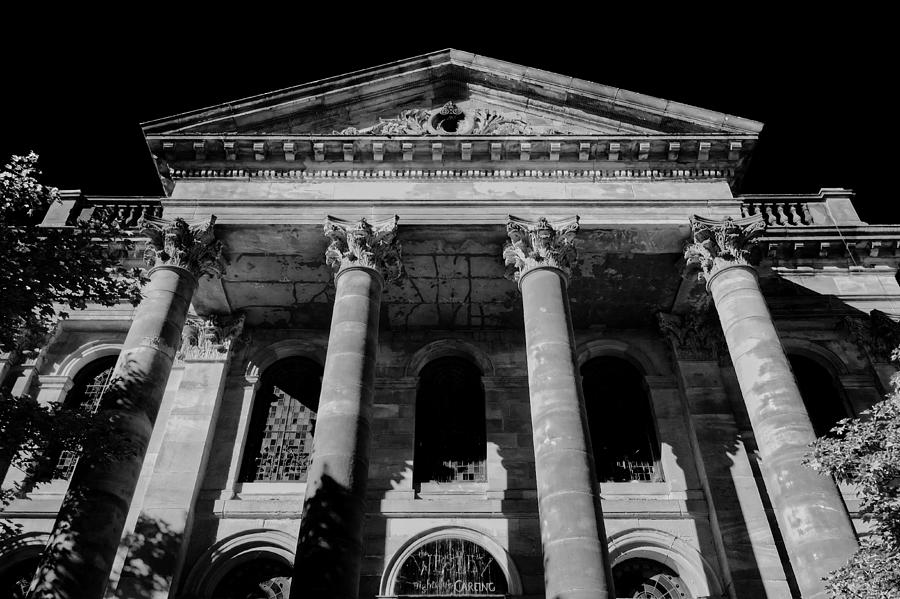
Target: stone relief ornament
x=360, y=243
x=450, y=119
x=192, y=246
x=539, y=243
x=719, y=243
x=209, y=338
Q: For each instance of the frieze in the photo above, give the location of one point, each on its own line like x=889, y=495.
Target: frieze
x=539, y=243
x=360, y=243
x=191, y=246
x=450, y=119
x=716, y=244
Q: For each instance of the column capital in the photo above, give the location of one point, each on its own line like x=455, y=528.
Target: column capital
x=695, y=334
x=363, y=244
x=178, y=243
x=717, y=244
x=540, y=243
x=209, y=338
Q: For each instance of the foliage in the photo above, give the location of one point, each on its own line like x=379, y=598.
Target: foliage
x=866, y=452
x=42, y=271
x=43, y=268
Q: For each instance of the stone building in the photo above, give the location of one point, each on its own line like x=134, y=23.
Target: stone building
x=542, y=345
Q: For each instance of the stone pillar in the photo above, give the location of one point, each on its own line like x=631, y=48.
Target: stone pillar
x=161, y=534
x=330, y=545
x=82, y=547
x=748, y=555
x=576, y=560
x=816, y=529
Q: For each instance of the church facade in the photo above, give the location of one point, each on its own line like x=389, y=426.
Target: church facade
x=455, y=327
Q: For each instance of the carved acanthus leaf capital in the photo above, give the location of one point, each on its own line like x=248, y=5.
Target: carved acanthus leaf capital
x=360, y=243
x=695, y=335
x=209, y=338
x=192, y=246
x=539, y=243
x=716, y=244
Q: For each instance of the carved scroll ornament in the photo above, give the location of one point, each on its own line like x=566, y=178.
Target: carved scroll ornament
x=192, y=246
x=539, y=243
x=720, y=243
x=450, y=119
x=363, y=244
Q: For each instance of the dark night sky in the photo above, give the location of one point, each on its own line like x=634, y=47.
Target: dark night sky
x=77, y=92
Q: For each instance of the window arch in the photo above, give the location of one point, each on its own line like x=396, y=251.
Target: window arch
x=820, y=392
x=620, y=420
x=450, y=423
x=283, y=422
x=88, y=389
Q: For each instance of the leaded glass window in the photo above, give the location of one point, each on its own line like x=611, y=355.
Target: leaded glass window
x=450, y=423
x=283, y=422
x=620, y=420
x=87, y=392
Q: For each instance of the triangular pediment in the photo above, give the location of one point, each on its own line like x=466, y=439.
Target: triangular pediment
x=492, y=97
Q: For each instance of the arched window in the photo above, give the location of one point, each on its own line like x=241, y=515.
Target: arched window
x=641, y=578
x=820, y=394
x=620, y=420
x=88, y=388
x=283, y=422
x=259, y=578
x=450, y=423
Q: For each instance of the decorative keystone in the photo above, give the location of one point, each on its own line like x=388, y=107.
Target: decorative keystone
x=720, y=243
x=191, y=246
x=359, y=243
x=540, y=243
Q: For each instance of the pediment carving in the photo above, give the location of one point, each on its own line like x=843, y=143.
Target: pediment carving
x=450, y=119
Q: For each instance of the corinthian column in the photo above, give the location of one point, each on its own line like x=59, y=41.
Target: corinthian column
x=330, y=545
x=576, y=562
x=816, y=529
x=82, y=547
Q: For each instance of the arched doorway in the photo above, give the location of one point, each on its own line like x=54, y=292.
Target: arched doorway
x=642, y=578
x=260, y=578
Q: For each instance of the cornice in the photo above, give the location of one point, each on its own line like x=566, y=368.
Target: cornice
x=454, y=174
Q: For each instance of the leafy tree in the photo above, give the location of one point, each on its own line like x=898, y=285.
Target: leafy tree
x=44, y=268
x=44, y=271
x=865, y=452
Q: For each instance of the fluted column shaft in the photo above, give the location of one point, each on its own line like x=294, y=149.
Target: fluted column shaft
x=79, y=556
x=817, y=531
x=576, y=560
x=330, y=545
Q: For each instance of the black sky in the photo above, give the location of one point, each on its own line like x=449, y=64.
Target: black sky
x=76, y=90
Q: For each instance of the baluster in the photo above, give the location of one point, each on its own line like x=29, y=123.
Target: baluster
x=807, y=217
x=769, y=216
x=795, y=216
x=745, y=210
x=782, y=217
